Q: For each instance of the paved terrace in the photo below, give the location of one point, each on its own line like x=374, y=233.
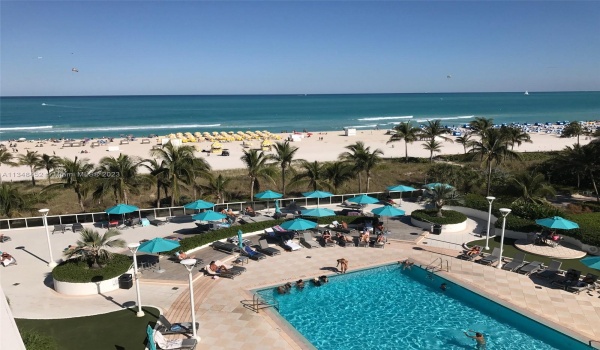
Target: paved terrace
x=220, y=302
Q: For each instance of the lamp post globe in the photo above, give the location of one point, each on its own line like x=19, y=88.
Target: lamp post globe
x=504, y=212
x=487, y=232
x=133, y=247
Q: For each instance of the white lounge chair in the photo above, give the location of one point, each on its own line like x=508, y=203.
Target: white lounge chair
x=291, y=245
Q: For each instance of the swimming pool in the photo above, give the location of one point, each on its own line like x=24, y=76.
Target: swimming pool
x=390, y=308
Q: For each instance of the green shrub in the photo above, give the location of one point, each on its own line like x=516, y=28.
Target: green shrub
x=449, y=216
x=534, y=211
x=77, y=271
x=517, y=223
x=589, y=228
x=34, y=340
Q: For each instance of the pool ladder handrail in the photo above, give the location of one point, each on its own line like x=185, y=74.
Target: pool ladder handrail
x=433, y=267
x=262, y=302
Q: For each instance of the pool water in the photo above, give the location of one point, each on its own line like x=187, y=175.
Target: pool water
x=391, y=308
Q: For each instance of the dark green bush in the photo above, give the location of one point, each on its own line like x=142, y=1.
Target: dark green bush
x=517, y=223
x=77, y=271
x=34, y=340
x=449, y=216
x=534, y=211
x=589, y=228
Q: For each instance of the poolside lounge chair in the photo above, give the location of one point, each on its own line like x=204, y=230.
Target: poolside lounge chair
x=325, y=243
x=4, y=238
x=166, y=327
x=265, y=249
x=552, y=270
x=178, y=344
x=347, y=204
x=77, y=227
x=154, y=221
x=492, y=258
x=569, y=279
x=230, y=273
x=252, y=254
x=11, y=261
x=229, y=248
x=586, y=283
x=470, y=257
x=380, y=244
x=307, y=240
x=530, y=268
x=58, y=228
x=290, y=245
x=517, y=262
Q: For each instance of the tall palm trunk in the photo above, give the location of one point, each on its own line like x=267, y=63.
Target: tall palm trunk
x=32, y=175
x=489, y=179
x=359, y=183
x=80, y=200
x=157, y=195
x=595, y=187
x=406, y=151
x=283, y=168
x=252, y=179
x=368, y=181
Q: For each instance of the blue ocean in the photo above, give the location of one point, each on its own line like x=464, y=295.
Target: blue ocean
x=112, y=116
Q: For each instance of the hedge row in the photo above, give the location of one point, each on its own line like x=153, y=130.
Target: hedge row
x=77, y=271
x=449, y=216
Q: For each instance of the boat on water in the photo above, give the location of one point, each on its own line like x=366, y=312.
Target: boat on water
x=526, y=92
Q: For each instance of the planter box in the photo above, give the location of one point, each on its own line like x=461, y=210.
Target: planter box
x=90, y=288
x=445, y=228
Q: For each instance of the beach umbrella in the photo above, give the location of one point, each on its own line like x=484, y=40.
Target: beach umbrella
x=209, y=215
x=150, y=333
x=388, y=211
x=401, y=188
x=199, y=204
x=433, y=185
x=277, y=209
x=298, y=225
x=158, y=245
x=318, y=212
x=363, y=199
x=121, y=209
x=268, y=194
x=240, y=241
x=592, y=261
x=318, y=195
x=557, y=222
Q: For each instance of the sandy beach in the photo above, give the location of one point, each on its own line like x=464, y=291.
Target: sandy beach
x=318, y=147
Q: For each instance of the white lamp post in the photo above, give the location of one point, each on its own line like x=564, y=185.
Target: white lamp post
x=51, y=263
x=504, y=212
x=487, y=233
x=189, y=265
x=133, y=247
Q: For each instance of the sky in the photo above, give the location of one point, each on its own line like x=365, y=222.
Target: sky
x=291, y=47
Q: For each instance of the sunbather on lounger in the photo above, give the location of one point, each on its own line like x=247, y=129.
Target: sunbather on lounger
x=327, y=237
x=218, y=269
x=364, y=237
x=6, y=259
x=474, y=251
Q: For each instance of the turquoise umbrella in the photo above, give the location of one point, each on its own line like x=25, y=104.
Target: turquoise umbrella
x=317, y=194
x=199, y=204
x=277, y=210
x=592, y=261
x=268, y=194
x=363, y=199
x=388, y=211
x=401, y=188
x=209, y=215
x=122, y=209
x=150, y=333
x=433, y=185
x=298, y=225
x=318, y=212
x=240, y=241
x=557, y=222
x=158, y=245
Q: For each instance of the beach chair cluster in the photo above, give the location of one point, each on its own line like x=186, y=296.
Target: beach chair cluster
x=157, y=340
x=572, y=282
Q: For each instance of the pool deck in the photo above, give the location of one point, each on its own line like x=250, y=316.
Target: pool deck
x=226, y=321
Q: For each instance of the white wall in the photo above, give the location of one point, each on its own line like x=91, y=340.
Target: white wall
x=91, y=288
x=10, y=337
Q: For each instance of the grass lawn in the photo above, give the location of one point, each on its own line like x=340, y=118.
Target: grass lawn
x=120, y=330
x=510, y=250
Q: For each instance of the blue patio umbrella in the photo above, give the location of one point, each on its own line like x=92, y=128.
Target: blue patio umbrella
x=433, y=185
x=298, y=225
x=363, y=199
x=318, y=212
x=277, y=209
x=121, y=209
x=150, y=333
x=557, y=222
x=209, y=215
x=401, y=188
x=240, y=241
x=268, y=194
x=592, y=261
x=388, y=211
x=318, y=195
x=199, y=204
x=158, y=245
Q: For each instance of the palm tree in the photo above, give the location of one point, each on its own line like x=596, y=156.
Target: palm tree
x=465, y=140
x=435, y=129
x=159, y=174
x=515, y=136
x=481, y=125
x=49, y=163
x=177, y=163
x=256, y=164
x=533, y=187
x=492, y=149
x=571, y=160
x=11, y=200
x=371, y=160
x=284, y=156
x=438, y=197
x=405, y=131
x=119, y=175
x=5, y=158
x=92, y=246
x=33, y=161
x=432, y=146
x=202, y=170
x=75, y=174
x=337, y=173
x=312, y=175
x=573, y=129
x=356, y=157
x=218, y=187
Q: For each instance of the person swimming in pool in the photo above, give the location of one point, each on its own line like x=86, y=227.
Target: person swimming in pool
x=479, y=338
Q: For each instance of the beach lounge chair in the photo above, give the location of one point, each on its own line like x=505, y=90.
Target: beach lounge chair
x=154, y=221
x=4, y=238
x=492, y=258
x=265, y=249
x=58, y=228
x=326, y=243
x=569, y=279
x=178, y=344
x=530, y=268
x=586, y=283
x=307, y=240
x=166, y=327
x=9, y=262
x=470, y=257
x=252, y=254
x=230, y=273
x=552, y=271
x=351, y=205
x=229, y=248
x=380, y=244
x=517, y=262
x=290, y=245
x=77, y=227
